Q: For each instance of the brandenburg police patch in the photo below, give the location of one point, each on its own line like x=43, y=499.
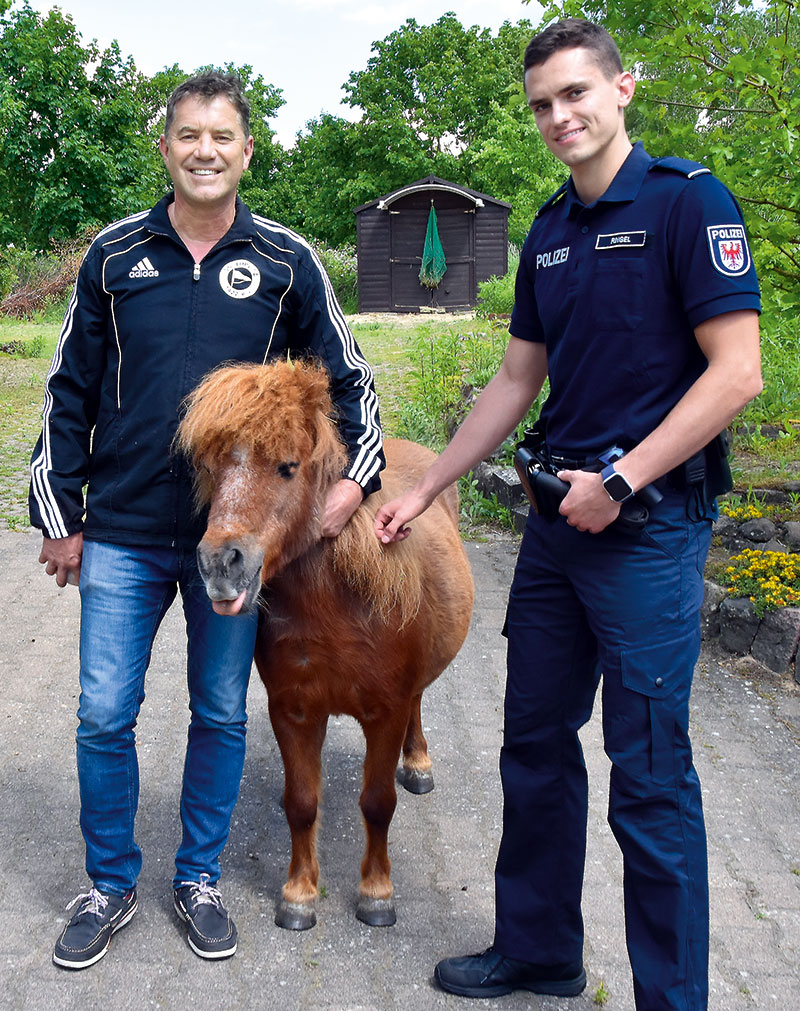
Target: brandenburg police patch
x=728, y=247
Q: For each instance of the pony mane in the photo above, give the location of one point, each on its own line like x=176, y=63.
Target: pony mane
x=281, y=411
x=388, y=575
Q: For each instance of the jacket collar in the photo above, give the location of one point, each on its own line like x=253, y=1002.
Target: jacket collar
x=242, y=229
x=624, y=186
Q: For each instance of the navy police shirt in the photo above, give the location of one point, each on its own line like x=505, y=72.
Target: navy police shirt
x=615, y=289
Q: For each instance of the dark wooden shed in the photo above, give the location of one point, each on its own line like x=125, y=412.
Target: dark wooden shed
x=473, y=229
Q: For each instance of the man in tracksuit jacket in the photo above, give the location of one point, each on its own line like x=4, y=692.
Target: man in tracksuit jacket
x=163, y=297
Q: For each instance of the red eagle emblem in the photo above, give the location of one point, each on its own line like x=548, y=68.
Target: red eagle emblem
x=731, y=253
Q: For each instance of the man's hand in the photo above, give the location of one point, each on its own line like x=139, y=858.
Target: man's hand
x=342, y=501
x=391, y=518
x=62, y=558
x=587, y=505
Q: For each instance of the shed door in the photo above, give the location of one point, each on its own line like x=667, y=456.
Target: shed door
x=408, y=221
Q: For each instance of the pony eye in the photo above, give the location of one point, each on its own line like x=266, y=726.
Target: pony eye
x=287, y=470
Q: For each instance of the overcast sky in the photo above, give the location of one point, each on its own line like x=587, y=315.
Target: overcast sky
x=305, y=47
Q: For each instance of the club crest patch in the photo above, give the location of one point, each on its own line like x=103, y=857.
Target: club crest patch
x=240, y=278
x=728, y=247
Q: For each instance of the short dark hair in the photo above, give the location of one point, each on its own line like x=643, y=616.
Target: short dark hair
x=574, y=33
x=208, y=86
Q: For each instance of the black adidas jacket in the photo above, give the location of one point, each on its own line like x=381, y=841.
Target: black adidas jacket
x=144, y=325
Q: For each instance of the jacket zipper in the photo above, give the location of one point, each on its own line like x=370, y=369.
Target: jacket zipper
x=196, y=272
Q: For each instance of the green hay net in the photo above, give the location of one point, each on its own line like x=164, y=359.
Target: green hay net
x=433, y=262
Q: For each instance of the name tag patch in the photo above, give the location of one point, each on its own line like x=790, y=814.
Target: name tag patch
x=551, y=258
x=727, y=245
x=617, y=239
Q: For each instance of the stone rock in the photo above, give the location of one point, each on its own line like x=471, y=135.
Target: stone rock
x=772, y=496
x=725, y=525
x=519, y=516
x=775, y=545
x=775, y=643
x=738, y=624
x=500, y=481
x=760, y=530
x=791, y=535
x=709, y=612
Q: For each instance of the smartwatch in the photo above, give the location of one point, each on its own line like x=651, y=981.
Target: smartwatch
x=617, y=487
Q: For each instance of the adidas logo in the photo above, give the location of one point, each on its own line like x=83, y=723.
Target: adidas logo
x=144, y=268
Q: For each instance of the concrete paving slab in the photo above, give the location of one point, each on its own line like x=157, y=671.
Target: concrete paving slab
x=746, y=726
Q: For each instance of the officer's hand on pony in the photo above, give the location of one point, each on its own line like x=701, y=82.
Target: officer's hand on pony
x=587, y=505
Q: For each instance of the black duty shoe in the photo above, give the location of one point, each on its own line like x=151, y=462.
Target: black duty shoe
x=86, y=937
x=212, y=933
x=491, y=974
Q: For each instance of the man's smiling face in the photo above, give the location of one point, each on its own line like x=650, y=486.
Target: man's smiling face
x=577, y=107
x=206, y=152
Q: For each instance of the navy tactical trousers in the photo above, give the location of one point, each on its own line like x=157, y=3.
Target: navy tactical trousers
x=625, y=608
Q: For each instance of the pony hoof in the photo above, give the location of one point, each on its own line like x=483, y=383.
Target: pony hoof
x=295, y=916
x=376, y=912
x=415, y=781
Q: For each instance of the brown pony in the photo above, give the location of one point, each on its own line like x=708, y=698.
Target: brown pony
x=348, y=625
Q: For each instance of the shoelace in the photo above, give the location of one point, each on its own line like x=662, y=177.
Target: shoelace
x=94, y=902
x=203, y=892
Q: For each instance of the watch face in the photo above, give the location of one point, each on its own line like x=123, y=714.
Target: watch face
x=617, y=487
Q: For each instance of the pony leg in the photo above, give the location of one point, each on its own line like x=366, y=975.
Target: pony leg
x=378, y=800
x=415, y=773
x=300, y=743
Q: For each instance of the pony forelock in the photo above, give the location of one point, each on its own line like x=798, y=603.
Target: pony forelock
x=277, y=412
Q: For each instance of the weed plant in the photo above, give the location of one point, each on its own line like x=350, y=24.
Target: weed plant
x=751, y=507
x=476, y=508
x=450, y=367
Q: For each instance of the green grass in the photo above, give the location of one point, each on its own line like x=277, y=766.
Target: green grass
x=21, y=393
x=386, y=347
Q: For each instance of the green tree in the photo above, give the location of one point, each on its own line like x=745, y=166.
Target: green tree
x=720, y=82
x=510, y=161
x=337, y=165
x=440, y=79
x=439, y=99
x=74, y=150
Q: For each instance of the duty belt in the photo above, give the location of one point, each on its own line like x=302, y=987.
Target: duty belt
x=562, y=462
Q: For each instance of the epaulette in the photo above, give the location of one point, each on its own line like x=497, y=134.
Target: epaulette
x=687, y=168
x=553, y=200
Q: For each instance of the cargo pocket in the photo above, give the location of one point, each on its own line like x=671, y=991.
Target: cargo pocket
x=659, y=673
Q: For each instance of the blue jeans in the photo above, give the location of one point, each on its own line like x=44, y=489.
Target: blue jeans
x=582, y=604
x=125, y=593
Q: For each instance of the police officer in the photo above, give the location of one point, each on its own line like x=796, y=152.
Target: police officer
x=636, y=295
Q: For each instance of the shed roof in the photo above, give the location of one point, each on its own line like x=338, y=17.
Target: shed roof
x=432, y=183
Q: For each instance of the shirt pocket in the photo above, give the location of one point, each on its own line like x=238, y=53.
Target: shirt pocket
x=617, y=296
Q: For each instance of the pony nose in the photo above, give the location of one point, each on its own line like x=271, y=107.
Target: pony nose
x=226, y=562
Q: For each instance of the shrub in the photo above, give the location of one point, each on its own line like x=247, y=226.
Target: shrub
x=496, y=296
x=33, y=348
x=16, y=268
x=341, y=266
x=450, y=368
x=771, y=579
x=31, y=282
